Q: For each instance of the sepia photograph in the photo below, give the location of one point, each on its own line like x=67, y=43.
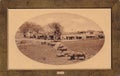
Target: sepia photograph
x=59, y=38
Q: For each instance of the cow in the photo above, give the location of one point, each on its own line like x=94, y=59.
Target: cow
x=62, y=53
x=51, y=43
x=80, y=56
x=76, y=56
x=62, y=48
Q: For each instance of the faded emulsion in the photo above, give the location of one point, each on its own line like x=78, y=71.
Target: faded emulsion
x=59, y=38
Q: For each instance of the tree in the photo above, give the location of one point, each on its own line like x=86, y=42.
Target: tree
x=30, y=26
x=30, y=29
x=56, y=29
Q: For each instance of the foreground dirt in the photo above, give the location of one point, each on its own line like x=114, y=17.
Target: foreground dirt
x=47, y=54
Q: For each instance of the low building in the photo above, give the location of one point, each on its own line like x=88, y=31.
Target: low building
x=73, y=37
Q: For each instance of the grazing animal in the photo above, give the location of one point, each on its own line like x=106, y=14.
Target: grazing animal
x=51, y=43
x=62, y=48
x=57, y=45
x=77, y=56
x=62, y=53
x=81, y=56
x=43, y=43
x=59, y=54
x=72, y=57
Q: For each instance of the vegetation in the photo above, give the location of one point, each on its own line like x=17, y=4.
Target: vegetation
x=30, y=26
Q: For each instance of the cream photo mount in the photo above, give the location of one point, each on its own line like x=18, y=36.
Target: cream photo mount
x=18, y=61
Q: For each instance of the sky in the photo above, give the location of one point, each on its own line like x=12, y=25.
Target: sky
x=70, y=22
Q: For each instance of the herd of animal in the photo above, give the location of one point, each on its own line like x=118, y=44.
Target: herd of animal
x=62, y=51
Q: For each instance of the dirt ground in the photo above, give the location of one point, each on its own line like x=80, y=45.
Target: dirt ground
x=43, y=53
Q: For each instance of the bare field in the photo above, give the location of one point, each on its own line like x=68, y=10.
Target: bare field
x=33, y=49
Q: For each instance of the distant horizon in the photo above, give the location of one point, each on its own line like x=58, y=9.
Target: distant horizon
x=71, y=30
